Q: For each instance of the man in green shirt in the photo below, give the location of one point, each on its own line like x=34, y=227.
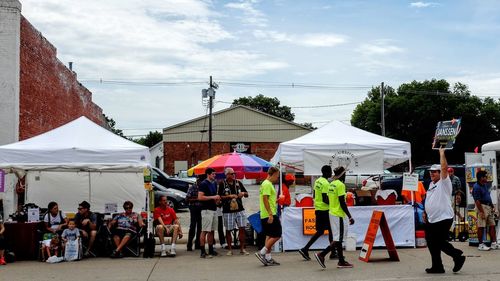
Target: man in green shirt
x=271, y=225
x=338, y=221
x=321, y=206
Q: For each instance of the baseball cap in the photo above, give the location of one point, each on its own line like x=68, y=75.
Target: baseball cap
x=435, y=167
x=289, y=177
x=450, y=170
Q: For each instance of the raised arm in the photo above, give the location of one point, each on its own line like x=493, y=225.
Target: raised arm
x=444, y=163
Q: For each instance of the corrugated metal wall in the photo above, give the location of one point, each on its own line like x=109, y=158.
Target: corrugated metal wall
x=238, y=124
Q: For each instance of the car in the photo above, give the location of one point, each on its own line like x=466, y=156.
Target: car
x=176, y=199
x=424, y=176
x=170, y=182
x=358, y=181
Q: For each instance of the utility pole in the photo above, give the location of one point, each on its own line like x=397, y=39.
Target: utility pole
x=382, y=111
x=210, y=105
x=210, y=94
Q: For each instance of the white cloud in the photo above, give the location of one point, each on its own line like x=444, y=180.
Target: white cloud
x=419, y=5
x=143, y=39
x=480, y=84
x=379, y=48
x=251, y=15
x=307, y=40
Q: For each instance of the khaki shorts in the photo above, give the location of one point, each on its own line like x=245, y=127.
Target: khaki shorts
x=209, y=220
x=168, y=230
x=489, y=218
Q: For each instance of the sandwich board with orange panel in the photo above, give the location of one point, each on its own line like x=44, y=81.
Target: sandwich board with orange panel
x=378, y=220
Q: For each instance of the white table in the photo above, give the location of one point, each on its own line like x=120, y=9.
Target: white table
x=399, y=217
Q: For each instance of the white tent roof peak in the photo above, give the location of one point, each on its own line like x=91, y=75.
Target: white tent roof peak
x=337, y=135
x=78, y=144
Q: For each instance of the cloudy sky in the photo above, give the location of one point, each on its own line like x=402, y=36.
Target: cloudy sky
x=147, y=61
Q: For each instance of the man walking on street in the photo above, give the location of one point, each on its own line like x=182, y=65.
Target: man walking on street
x=438, y=217
x=271, y=225
x=338, y=221
x=321, y=206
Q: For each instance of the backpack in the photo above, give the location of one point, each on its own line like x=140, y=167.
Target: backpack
x=60, y=217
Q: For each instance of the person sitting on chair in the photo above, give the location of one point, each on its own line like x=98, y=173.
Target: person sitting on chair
x=167, y=224
x=55, y=220
x=86, y=222
x=127, y=223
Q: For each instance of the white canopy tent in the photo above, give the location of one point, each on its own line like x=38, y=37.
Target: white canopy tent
x=79, y=161
x=336, y=138
x=491, y=146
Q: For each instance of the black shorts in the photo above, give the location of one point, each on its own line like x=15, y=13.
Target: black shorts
x=122, y=232
x=322, y=221
x=272, y=230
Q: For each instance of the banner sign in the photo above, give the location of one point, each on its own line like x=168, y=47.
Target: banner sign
x=356, y=162
x=410, y=181
x=2, y=181
x=446, y=133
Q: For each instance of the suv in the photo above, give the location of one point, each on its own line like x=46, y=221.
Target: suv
x=170, y=182
x=423, y=175
x=176, y=199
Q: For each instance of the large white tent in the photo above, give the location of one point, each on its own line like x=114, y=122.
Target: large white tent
x=337, y=136
x=79, y=161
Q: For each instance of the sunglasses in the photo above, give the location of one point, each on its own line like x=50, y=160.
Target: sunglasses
x=127, y=208
x=231, y=174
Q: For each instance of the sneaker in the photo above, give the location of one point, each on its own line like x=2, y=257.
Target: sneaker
x=224, y=246
x=320, y=259
x=172, y=253
x=272, y=262
x=262, y=258
x=344, y=264
x=305, y=254
x=203, y=255
x=2, y=261
x=494, y=246
x=229, y=253
x=434, y=270
x=163, y=253
x=210, y=256
x=244, y=252
x=483, y=247
x=459, y=262
x=214, y=253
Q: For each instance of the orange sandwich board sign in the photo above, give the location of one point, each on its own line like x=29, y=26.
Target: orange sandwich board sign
x=378, y=219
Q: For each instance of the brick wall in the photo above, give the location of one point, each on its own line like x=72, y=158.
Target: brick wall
x=50, y=94
x=194, y=152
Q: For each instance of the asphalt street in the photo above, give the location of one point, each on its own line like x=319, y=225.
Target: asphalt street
x=188, y=266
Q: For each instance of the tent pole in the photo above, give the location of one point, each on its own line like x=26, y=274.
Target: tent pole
x=90, y=188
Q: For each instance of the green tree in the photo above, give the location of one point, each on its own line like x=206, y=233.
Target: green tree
x=267, y=105
x=412, y=112
x=111, y=126
x=150, y=139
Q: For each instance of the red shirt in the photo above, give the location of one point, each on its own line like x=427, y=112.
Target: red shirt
x=286, y=201
x=167, y=215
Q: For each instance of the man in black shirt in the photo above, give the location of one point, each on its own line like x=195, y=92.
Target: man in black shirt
x=231, y=191
x=207, y=195
x=86, y=222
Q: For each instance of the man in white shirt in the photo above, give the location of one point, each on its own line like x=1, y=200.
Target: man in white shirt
x=438, y=216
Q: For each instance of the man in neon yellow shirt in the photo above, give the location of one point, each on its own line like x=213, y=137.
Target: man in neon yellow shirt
x=271, y=225
x=338, y=221
x=321, y=206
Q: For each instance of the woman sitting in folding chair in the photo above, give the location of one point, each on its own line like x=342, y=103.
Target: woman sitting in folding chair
x=126, y=227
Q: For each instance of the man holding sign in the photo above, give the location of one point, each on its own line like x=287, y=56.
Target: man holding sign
x=438, y=217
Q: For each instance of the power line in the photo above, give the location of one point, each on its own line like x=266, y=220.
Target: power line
x=309, y=106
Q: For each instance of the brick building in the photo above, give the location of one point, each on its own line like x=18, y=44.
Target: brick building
x=239, y=128
x=37, y=91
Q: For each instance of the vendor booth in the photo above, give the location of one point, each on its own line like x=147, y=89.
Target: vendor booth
x=79, y=161
x=360, y=152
